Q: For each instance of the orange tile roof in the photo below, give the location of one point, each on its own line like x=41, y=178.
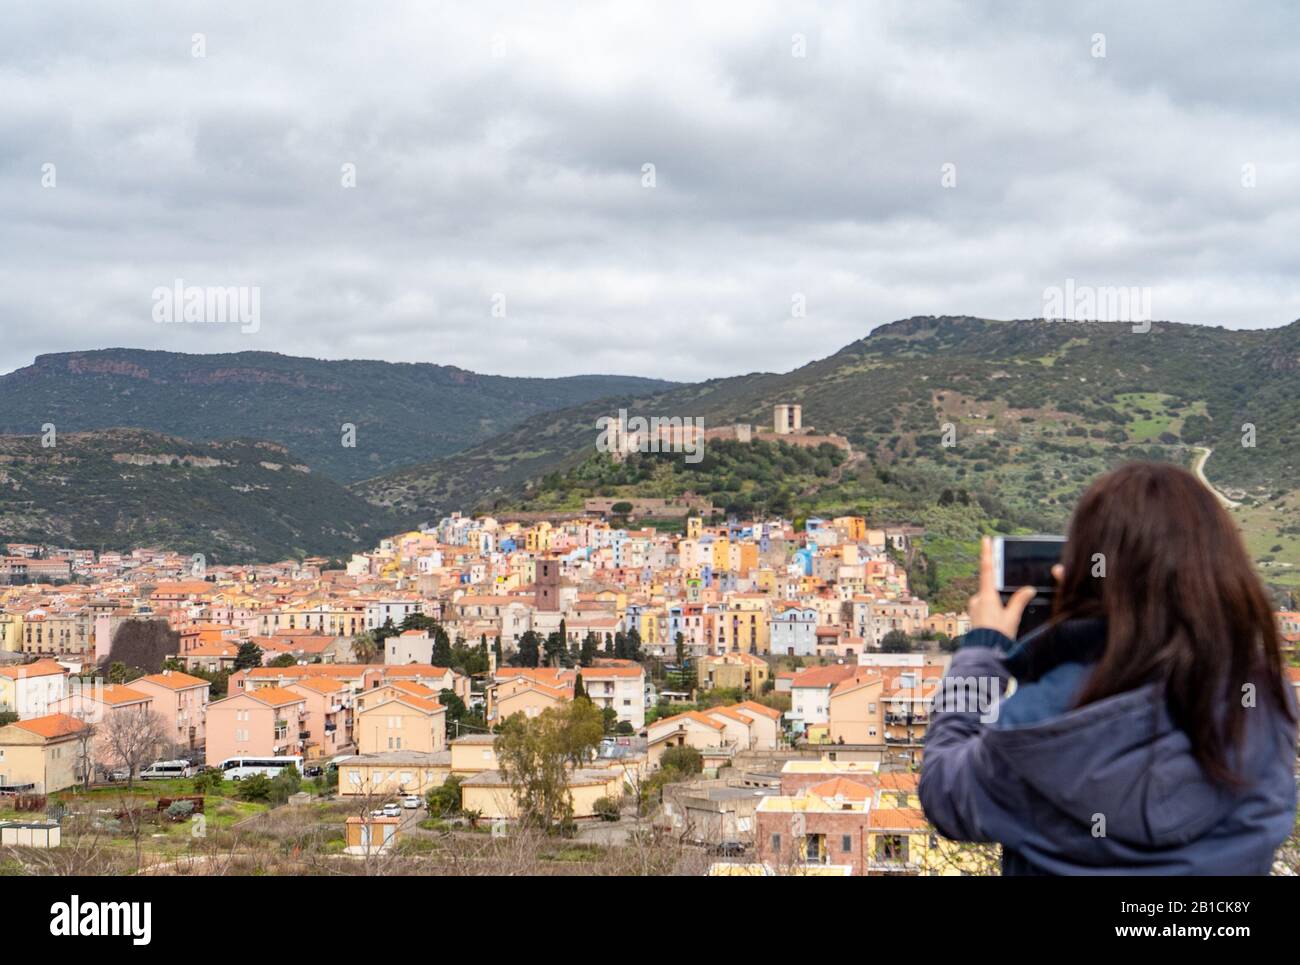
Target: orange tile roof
x=824, y=676
x=889, y=818
x=40, y=668
x=275, y=696
x=761, y=709
x=174, y=680
x=854, y=682
x=52, y=726
x=419, y=703
x=843, y=787
x=321, y=685
x=689, y=715
x=116, y=694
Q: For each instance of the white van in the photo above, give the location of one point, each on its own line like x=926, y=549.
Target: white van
x=161, y=770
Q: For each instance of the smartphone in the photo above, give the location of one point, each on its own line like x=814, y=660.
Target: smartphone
x=1027, y=561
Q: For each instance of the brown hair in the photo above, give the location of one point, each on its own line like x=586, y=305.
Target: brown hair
x=1151, y=551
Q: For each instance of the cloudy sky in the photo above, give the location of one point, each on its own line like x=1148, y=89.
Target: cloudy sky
x=799, y=155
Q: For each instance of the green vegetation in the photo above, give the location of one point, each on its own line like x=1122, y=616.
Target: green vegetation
x=301, y=403
x=231, y=501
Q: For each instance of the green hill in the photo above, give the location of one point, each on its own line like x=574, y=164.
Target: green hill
x=1034, y=409
x=232, y=501
x=403, y=412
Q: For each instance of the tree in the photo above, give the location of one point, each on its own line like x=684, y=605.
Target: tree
x=584, y=726
x=249, y=656
x=535, y=755
x=554, y=647
x=444, y=801
x=579, y=691
x=896, y=641
x=134, y=738
x=529, y=652
x=442, y=656
x=85, y=739
x=680, y=642
x=685, y=760
x=143, y=644
x=365, y=648
x=456, y=708
x=532, y=760
x=284, y=660
x=590, y=647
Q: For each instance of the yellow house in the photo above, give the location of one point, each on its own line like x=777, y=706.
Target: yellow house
x=721, y=554
x=901, y=841
x=490, y=795
x=732, y=671
x=856, y=711
x=473, y=754
x=401, y=772
x=402, y=723
x=11, y=632
x=43, y=752
x=744, y=625
x=853, y=527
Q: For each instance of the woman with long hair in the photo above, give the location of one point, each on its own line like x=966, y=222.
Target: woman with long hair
x=1148, y=727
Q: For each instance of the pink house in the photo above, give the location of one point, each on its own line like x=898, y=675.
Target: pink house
x=267, y=722
x=182, y=700
x=329, y=715
x=96, y=705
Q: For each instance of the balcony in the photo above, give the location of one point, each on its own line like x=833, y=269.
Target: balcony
x=894, y=866
x=331, y=728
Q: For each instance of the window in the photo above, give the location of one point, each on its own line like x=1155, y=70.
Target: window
x=846, y=842
x=354, y=777
x=776, y=842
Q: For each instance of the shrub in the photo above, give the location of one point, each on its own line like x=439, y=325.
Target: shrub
x=686, y=760
x=256, y=787
x=606, y=808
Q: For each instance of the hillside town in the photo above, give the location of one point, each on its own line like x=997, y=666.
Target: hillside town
x=761, y=689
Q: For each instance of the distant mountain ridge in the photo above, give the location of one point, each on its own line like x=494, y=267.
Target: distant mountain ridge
x=403, y=413
x=124, y=488
x=962, y=424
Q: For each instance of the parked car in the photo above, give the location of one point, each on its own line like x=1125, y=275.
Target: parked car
x=392, y=811
x=410, y=802
x=121, y=774
x=729, y=849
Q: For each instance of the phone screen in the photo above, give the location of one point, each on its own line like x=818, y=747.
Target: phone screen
x=1028, y=561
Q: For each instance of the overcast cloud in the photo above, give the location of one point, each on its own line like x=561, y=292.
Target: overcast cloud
x=499, y=148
